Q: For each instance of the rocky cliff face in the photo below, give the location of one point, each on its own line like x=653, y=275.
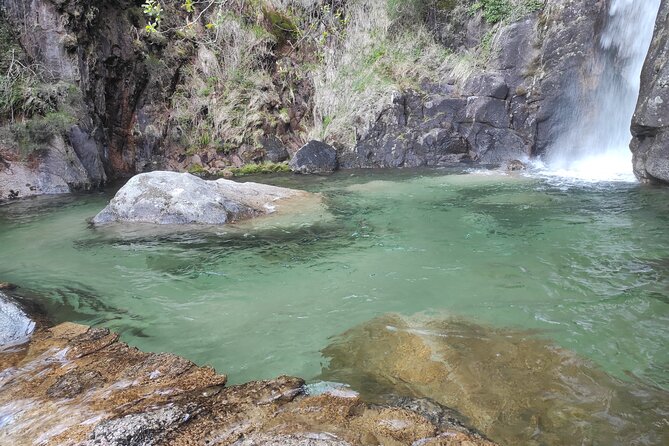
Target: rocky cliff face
x=650, y=125
x=511, y=106
x=119, y=100
x=88, y=49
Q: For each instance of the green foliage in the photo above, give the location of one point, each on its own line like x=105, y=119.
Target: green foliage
x=22, y=94
x=266, y=167
x=153, y=10
x=486, y=40
x=282, y=26
x=226, y=148
x=377, y=53
x=197, y=169
x=415, y=10
x=534, y=5
x=494, y=11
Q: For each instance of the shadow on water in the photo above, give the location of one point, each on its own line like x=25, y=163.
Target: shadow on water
x=78, y=302
x=514, y=386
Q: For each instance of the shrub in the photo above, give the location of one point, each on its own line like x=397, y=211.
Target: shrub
x=261, y=168
x=494, y=11
x=375, y=58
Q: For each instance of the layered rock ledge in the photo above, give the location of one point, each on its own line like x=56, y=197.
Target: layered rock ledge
x=75, y=385
x=182, y=198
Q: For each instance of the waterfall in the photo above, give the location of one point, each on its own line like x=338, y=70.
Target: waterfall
x=596, y=145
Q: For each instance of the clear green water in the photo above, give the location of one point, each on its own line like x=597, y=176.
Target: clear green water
x=587, y=265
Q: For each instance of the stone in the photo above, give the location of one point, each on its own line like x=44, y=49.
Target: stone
x=15, y=325
x=119, y=396
x=88, y=153
x=515, y=165
x=650, y=124
x=181, y=198
x=58, y=170
x=307, y=439
x=492, y=145
x=195, y=160
x=513, y=386
x=127, y=107
x=73, y=383
x=488, y=110
x=275, y=151
x=487, y=84
x=512, y=108
x=440, y=416
x=141, y=429
x=315, y=157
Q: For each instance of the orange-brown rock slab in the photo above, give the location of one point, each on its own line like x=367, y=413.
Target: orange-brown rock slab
x=74, y=385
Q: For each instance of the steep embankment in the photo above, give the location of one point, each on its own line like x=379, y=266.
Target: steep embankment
x=650, y=125
x=89, y=94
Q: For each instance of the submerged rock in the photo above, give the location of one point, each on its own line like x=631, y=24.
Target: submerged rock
x=314, y=157
x=512, y=386
x=182, y=198
x=77, y=385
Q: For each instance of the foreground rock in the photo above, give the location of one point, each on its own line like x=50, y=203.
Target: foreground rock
x=650, y=125
x=182, y=198
x=516, y=388
x=15, y=325
x=76, y=385
x=314, y=157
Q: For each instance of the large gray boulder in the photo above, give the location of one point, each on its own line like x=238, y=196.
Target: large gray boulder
x=650, y=123
x=314, y=157
x=181, y=198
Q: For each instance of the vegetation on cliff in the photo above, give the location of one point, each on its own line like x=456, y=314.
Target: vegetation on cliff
x=216, y=78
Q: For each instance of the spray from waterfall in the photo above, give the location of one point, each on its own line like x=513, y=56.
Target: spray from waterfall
x=596, y=146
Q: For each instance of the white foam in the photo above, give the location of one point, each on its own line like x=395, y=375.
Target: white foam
x=595, y=145
x=614, y=166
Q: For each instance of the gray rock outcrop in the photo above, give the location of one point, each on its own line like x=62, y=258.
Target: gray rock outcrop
x=314, y=157
x=510, y=106
x=181, y=198
x=15, y=325
x=650, y=124
x=510, y=101
x=59, y=171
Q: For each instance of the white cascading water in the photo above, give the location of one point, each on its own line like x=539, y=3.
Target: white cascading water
x=596, y=146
